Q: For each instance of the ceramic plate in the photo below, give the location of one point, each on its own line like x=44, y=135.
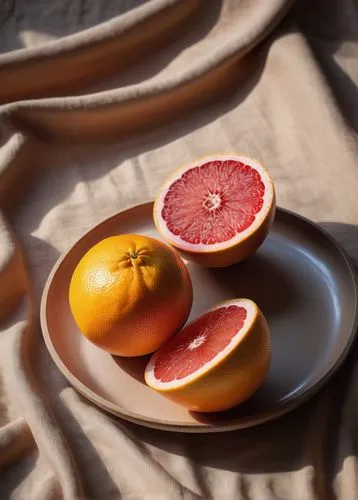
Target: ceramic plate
x=300, y=278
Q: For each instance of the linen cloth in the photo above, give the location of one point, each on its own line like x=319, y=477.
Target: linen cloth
x=99, y=102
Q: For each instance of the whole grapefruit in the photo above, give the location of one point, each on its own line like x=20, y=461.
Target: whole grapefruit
x=129, y=294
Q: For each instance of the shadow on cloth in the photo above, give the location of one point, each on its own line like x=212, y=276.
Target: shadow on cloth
x=329, y=32
x=112, y=55
x=58, y=21
x=94, y=159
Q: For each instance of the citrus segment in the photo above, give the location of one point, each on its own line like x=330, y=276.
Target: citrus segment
x=217, y=211
x=215, y=362
x=188, y=352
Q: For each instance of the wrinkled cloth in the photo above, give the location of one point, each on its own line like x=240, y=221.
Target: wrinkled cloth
x=99, y=102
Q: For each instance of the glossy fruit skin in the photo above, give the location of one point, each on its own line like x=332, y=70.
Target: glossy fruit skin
x=129, y=294
x=233, y=380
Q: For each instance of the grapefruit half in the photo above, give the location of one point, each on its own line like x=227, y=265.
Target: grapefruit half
x=216, y=211
x=215, y=362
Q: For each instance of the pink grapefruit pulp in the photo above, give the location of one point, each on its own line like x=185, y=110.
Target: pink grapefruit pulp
x=216, y=211
x=215, y=362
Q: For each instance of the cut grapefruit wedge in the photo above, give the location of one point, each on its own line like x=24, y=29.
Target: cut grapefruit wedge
x=217, y=211
x=215, y=362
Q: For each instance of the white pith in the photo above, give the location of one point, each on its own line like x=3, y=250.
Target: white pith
x=201, y=247
x=197, y=342
x=251, y=310
x=212, y=201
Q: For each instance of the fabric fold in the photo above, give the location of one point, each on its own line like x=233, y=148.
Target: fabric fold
x=90, y=124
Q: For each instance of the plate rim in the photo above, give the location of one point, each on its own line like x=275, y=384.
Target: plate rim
x=286, y=407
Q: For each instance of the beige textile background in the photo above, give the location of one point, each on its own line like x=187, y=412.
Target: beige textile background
x=99, y=101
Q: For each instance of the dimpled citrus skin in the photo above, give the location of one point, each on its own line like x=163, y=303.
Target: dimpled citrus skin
x=129, y=294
